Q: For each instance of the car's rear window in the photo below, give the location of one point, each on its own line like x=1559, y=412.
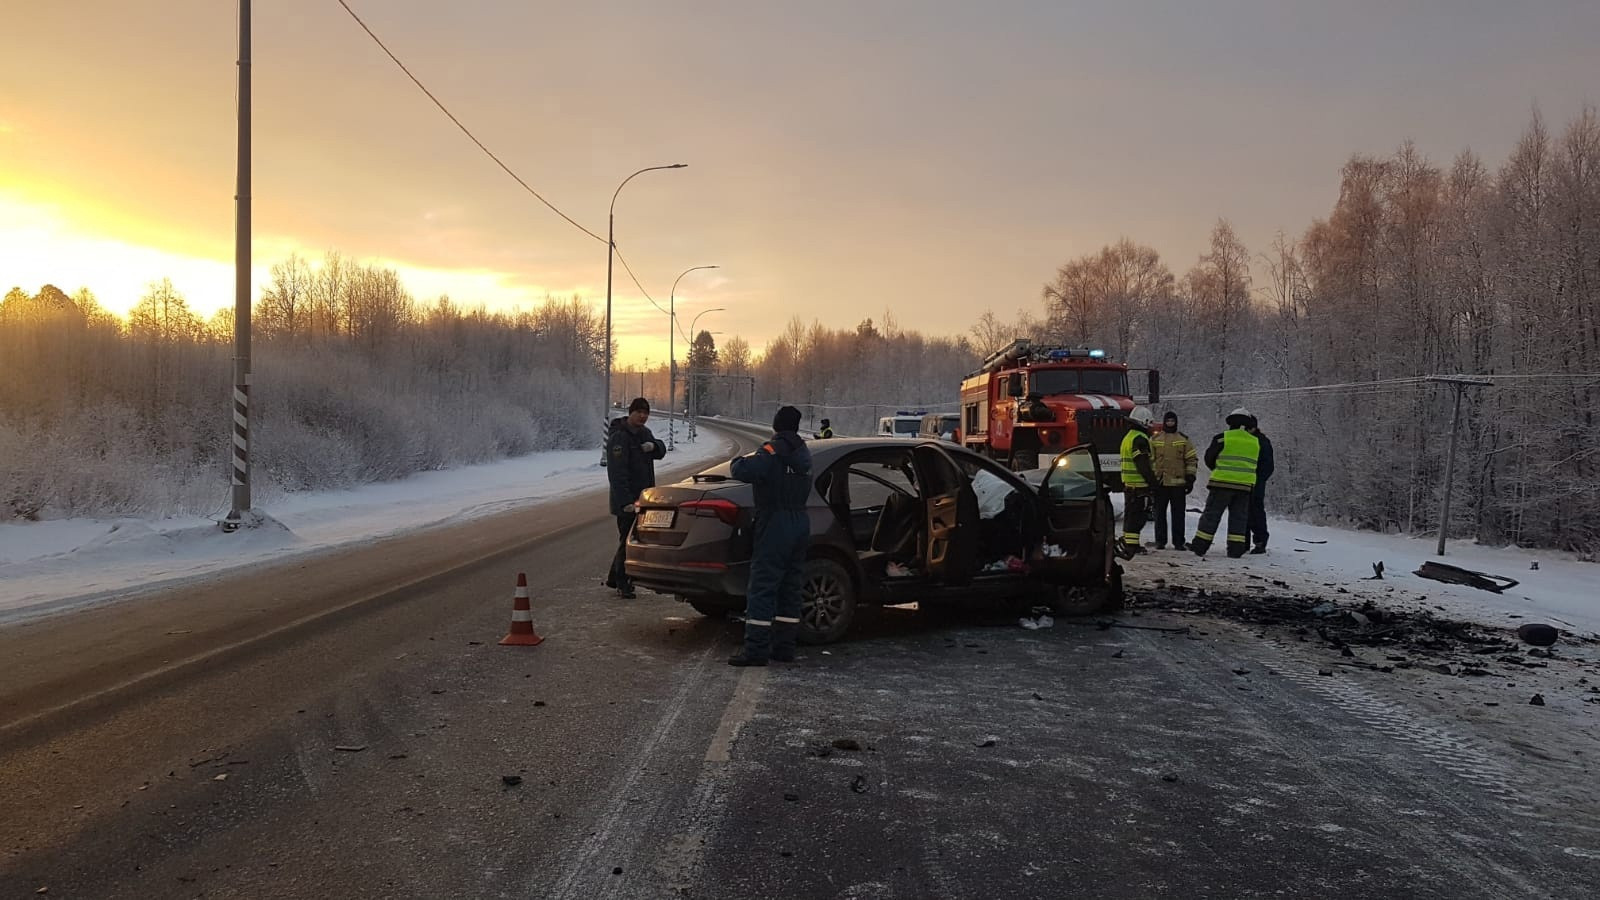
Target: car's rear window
x=719, y=472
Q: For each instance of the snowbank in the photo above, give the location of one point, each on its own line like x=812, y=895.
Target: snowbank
x=50, y=565
x=1311, y=559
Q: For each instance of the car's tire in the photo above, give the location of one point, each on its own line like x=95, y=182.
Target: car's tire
x=711, y=610
x=1024, y=460
x=828, y=602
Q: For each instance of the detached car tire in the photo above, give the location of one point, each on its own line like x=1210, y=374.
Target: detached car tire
x=827, y=602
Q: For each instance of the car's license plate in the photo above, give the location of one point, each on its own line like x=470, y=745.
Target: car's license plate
x=656, y=518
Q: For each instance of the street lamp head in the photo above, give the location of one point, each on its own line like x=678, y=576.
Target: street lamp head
x=678, y=166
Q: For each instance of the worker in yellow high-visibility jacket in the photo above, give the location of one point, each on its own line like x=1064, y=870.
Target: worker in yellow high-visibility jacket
x=1232, y=457
x=1138, y=477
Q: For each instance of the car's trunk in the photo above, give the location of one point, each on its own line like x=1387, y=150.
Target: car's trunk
x=708, y=510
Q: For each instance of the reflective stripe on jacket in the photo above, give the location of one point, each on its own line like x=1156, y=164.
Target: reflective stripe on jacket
x=1174, y=457
x=1236, y=460
x=1132, y=475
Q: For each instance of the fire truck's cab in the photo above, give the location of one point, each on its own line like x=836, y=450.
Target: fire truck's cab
x=1027, y=400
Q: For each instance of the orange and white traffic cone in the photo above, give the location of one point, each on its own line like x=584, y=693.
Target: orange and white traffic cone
x=521, y=633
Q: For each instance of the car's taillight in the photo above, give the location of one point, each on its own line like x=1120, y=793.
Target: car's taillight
x=726, y=510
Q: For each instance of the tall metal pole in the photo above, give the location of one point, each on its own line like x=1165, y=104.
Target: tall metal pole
x=241, y=290
x=672, y=365
x=611, y=252
x=694, y=399
x=1460, y=383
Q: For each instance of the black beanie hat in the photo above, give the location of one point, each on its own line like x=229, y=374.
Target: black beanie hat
x=1170, y=417
x=787, y=419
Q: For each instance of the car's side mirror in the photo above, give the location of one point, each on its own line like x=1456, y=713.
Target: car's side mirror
x=1014, y=384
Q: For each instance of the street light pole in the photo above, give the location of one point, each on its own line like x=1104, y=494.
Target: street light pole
x=672, y=366
x=611, y=252
x=240, y=425
x=694, y=407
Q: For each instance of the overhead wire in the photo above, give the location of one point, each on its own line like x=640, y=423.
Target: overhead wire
x=1304, y=389
x=464, y=130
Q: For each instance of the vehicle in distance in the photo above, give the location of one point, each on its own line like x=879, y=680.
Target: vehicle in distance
x=941, y=426
x=893, y=521
x=902, y=424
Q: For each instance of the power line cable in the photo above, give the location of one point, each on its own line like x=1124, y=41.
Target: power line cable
x=464, y=130
x=1305, y=389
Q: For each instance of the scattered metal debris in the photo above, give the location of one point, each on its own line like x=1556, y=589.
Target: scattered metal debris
x=1456, y=575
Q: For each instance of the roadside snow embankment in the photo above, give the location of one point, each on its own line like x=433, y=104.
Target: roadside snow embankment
x=1562, y=590
x=50, y=565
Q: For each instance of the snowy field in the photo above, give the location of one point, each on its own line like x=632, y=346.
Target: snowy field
x=1562, y=591
x=50, y=565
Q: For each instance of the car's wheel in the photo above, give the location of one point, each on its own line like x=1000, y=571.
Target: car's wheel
x=828, y=602
x=1024, y=460
x=710, y=610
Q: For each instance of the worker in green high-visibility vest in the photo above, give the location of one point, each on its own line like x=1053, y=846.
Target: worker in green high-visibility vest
x=1232, y=457
x=1138, y=477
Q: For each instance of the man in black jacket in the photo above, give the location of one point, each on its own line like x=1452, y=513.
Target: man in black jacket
x=1258, y=495
x=631, y=452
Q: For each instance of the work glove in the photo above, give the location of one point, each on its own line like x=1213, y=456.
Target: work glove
x=1188, y=485
x=648, y=446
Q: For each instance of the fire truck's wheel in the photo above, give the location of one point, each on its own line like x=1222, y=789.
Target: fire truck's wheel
x=827, y=602
x=1024, y=460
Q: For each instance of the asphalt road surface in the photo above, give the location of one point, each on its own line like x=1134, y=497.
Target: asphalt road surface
x=368, y=751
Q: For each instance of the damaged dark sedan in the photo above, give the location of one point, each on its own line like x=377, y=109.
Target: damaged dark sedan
x=894, y=522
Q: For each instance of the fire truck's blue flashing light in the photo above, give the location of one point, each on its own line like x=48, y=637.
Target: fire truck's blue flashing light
x=1068, y=353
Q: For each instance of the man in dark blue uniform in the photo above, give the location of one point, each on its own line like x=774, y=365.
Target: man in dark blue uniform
x=780, y=472
x=1265, y=465
x=631, y=452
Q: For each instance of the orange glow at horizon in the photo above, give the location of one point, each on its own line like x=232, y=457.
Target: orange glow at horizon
x=72, y=247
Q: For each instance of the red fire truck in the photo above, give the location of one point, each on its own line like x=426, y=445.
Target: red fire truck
x=1027, y=400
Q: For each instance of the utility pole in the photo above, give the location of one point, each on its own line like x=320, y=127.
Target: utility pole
x=241, y=291
x=611, y=252
x=1460, y=383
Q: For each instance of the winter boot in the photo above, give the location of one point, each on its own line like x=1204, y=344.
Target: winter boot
x=1180, y=546
x=1260, y=547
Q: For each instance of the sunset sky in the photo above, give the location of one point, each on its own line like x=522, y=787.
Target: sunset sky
x=934, y=159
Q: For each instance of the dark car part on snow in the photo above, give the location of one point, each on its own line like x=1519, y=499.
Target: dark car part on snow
x=1456, y=575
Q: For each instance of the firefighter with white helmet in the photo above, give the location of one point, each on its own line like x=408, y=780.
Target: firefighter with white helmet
x=1138, y=477
x=1233, y=457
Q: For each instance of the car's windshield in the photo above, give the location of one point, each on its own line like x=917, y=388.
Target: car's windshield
x=1078, y=381
x=905, y=426
x=1104, y=381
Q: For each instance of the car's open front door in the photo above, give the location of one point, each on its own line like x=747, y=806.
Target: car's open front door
x=1077, y=517
x=950, y=547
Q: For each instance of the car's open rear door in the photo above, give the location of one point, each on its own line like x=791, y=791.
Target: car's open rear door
x=1077, y=518
x=950, y=548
